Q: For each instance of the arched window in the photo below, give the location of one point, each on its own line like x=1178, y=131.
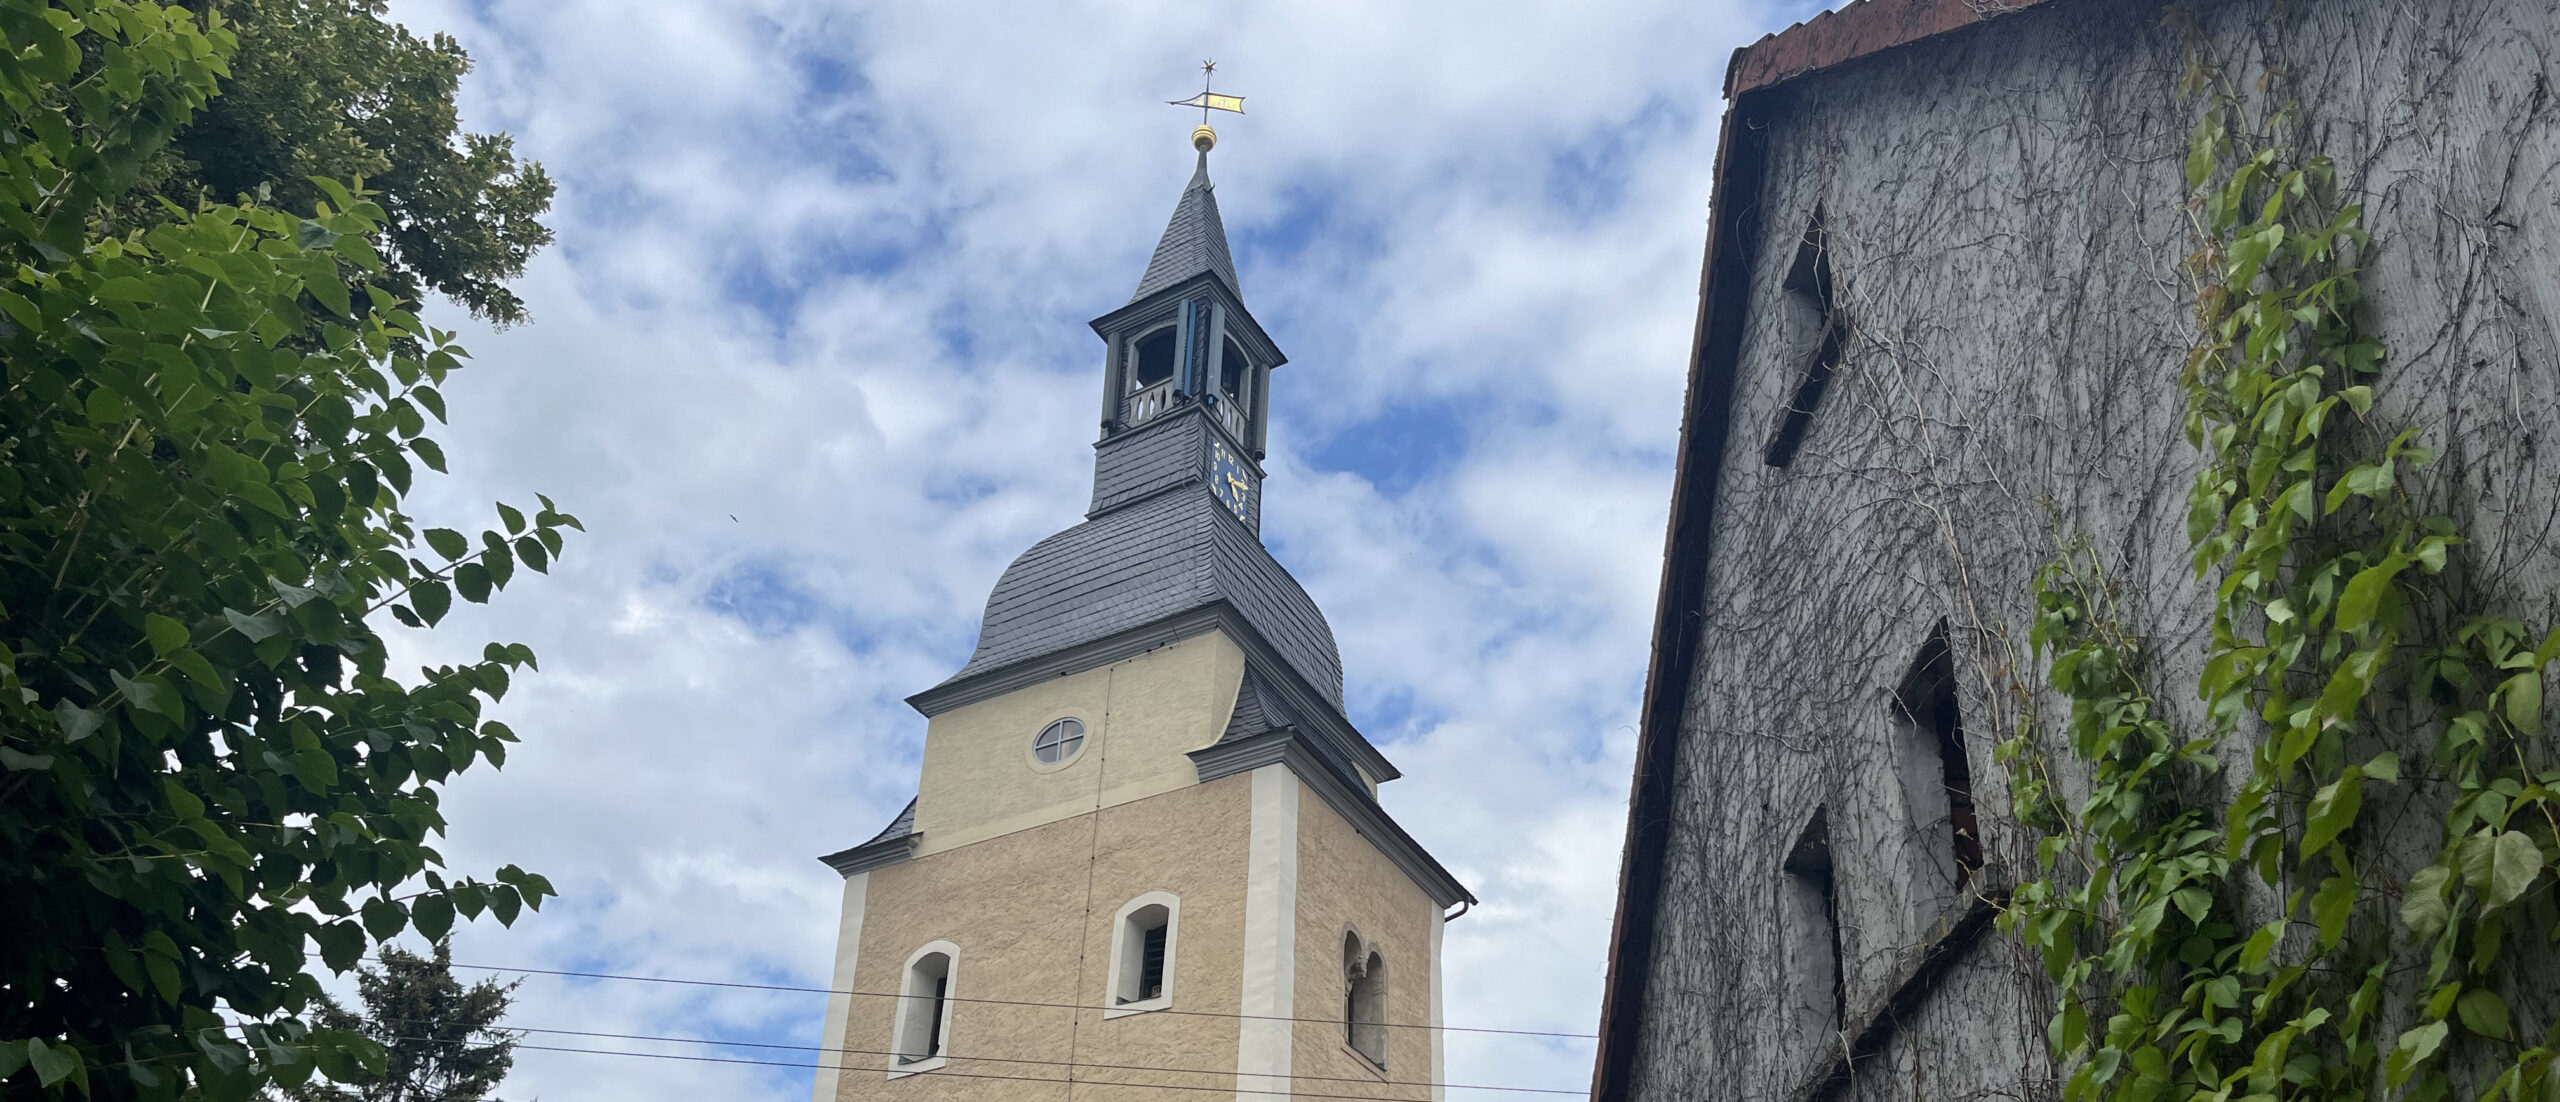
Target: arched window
x=1235, y=374
x=1364, y=999
x=1152, y=359
x=1146, y=934
x=922, y=1034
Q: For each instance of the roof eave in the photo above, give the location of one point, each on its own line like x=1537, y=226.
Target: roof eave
x=1256, y=340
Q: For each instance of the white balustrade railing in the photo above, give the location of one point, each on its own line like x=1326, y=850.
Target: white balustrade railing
x=1144, y=405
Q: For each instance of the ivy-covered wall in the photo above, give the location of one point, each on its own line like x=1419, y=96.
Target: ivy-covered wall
x=2007, y=224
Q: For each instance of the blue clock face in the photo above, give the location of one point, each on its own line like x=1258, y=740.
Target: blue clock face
x=1231, y=480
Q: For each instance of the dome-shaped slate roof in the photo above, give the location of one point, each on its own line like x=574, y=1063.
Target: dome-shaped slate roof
x=1150, y=561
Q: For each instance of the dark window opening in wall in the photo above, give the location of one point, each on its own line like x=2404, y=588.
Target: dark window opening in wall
x=1154, y=355
x=925, y=1016
x=1144, y=950
x=1233, y=371
x=1809, y=917
x=1151, y=965
x=1938, y=777
x=1364, y=1000
x=1812, y=322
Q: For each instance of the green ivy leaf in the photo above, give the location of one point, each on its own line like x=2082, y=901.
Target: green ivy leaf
x=2523, y=696
x=2415, y=1046
x=2363, y=596
x=2333, y=810
x=2515, y=862
x=2484, y=1013
x=2332, y=905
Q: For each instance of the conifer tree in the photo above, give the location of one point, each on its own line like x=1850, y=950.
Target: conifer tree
x=442, y=1039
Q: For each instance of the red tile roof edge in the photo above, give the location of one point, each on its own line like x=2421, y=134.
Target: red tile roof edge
x=1853, y=31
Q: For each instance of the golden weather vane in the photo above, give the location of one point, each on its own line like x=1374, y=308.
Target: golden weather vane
x=1207, y=101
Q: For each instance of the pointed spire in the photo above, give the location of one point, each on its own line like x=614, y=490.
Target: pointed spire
x=1194, y=242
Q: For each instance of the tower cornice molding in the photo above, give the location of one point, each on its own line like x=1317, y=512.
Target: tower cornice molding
x=1292, y=747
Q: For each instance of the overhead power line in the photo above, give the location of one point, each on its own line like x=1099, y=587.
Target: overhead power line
x=999, y=1002
x=945, y=1071
x=1078, y=1065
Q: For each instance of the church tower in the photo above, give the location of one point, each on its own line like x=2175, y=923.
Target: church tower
x=1145, y=849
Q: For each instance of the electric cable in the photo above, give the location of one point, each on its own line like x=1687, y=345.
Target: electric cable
x=995, y=1002
x=1021, y=1060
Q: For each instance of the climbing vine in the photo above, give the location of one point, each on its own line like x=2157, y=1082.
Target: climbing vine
x=2223, y=914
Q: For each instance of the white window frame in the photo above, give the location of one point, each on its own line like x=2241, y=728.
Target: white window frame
x=907, y=989
x=1127, y=955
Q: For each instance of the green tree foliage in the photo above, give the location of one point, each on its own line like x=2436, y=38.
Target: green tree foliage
x=208, y=768
x=442, y=1039
x=330, y=88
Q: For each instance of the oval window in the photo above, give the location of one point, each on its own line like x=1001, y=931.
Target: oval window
x=1058, y=741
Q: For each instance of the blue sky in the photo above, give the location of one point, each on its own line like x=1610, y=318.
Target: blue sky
x=810, y=360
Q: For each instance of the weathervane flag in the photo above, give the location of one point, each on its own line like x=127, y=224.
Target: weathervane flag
x=1212, y=101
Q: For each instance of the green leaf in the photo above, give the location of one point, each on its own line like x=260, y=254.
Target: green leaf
x=165, y=634
x=2253, y=955
x=431, y=599
x=77, y=722
x=256, y=629
x=448, y=542
x=2515, y=862
x=2363, y=596
x=472, y=581
x=2415, y=1046
x=2484, y=1013
x=16, y=762
x=2523, y=696
x=2385, y=767
x=512, y=517
x=53, y=1063
x=383, y=918
x=2332, y=905
x=432, y=915
x=2333, y=810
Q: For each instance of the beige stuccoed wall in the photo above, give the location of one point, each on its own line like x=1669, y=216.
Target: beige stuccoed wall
x=1141, y=715
x=1031, y=913
x=1344, y=882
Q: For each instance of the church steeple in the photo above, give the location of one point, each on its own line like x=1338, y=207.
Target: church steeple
x=1195, y=241
x=1103, y=861
x=1186, y=379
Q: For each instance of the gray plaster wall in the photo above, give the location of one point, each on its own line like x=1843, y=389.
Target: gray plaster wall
x=2005, y=211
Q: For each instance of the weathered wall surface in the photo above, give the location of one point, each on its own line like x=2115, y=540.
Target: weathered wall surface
x=2005, y=212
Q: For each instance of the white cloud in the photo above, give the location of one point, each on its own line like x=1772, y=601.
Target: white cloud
x=809, y=361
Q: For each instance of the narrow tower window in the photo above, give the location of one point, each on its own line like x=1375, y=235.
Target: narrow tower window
x=1364, y=1000
x=924, y=1007
x=1154, y=354
x=1937, y=778
x=1234, y=371
x=1142, y=952
x=1814, y=331
x=1809, y=918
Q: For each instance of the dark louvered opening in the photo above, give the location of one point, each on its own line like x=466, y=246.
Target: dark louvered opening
x=1151, y=966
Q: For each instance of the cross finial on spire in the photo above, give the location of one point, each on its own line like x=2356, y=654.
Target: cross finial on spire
x=1203, y=137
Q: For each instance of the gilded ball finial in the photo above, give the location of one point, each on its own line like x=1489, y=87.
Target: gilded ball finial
x=1204, y=138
